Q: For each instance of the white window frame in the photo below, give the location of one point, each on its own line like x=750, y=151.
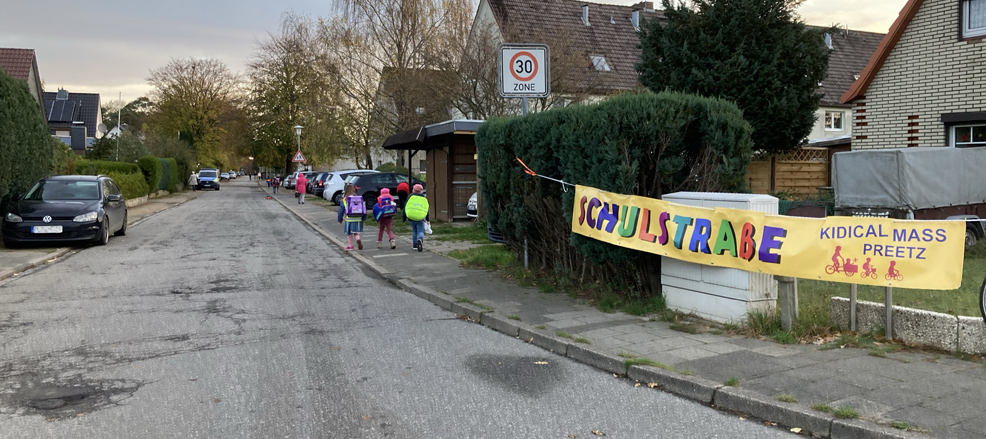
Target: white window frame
x=842, y=121
x=968, y=32
x=970, y=144
x=599, y=62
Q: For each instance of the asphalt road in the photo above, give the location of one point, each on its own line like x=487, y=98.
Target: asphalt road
x=227, y=317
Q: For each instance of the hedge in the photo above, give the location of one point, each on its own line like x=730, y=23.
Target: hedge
x=25, y=146
x=152, y=169
x=169, y=180
x=639, y=144
x=132, y=184
x=98, y=167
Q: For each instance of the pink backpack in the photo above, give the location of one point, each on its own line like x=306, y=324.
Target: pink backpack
x=355, y=206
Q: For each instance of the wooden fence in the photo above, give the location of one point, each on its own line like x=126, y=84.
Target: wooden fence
x=801, y=171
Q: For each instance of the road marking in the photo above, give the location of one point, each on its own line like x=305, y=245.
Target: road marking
x=390, y=255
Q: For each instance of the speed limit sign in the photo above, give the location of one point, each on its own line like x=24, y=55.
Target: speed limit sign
x=523, y=71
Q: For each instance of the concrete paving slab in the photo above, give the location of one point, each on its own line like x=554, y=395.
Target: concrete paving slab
x=744, y=365
x=691, y=353
x=722, y=347
x=924, y=417
x=868, y=409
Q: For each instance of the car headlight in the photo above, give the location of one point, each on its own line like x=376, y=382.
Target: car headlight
x=11, y=218
x=86, y=217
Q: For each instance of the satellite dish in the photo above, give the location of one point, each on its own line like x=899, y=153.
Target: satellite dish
x=101, y=128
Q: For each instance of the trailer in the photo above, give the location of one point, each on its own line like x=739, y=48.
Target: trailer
x=927, y=183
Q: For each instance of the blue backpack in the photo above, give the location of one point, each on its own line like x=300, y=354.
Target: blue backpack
x=384, y=209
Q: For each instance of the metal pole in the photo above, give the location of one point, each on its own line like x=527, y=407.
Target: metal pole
x=889, y=305
x=119, y=126
x=299, y=149
x=852, y=306
x=524, y=105
x=525, y=254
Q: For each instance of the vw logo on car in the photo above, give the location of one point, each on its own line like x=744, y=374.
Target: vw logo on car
x=46, y=219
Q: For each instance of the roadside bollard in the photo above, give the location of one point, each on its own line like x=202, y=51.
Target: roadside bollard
x=787, y=295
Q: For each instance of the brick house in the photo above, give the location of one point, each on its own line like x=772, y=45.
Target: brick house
x=23, y=64
x=73, y=118
x=924, y=84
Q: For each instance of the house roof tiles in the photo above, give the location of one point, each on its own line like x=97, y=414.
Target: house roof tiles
x=17, y=62
x=851, y=50
x=610, y=33
x=60, y=114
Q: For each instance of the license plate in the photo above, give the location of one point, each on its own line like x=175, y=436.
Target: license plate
x=46, y=229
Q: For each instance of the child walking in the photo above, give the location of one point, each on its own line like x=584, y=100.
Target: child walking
x=384, y=212
x=353, y=211
x=416, y=210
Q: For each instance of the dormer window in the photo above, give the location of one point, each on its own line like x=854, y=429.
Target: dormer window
x=973, y=18
x=599, y=62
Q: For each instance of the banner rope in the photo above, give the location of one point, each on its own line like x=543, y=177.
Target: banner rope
x=528, y=171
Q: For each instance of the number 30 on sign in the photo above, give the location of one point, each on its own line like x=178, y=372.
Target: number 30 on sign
x=523, y=71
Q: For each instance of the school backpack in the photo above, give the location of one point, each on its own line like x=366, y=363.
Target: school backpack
x=416, y=208
x=387, y=208
x=355, y=206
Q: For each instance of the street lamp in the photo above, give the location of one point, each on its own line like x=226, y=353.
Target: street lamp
x=297, y=130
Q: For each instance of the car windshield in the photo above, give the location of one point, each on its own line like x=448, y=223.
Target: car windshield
x=207, y=174
x=46, y=190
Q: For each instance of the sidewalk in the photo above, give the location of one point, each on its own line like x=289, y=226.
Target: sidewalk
x=933, y=395
x=14, y=261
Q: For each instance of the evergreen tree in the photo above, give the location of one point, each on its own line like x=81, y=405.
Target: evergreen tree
x=25, y=145
x=755, y=53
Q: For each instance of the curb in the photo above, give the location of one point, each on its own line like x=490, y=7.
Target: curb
x=41, y=260
x=694, y=388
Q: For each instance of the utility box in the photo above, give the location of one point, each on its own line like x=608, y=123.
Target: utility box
x=716, y=293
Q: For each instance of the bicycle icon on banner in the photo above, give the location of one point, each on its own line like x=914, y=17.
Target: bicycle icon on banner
x=850, y=266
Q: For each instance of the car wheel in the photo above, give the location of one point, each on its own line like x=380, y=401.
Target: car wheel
x=103, y=237
x=337, y=199
x=123, y=228
x=217, y=187
x=970, y=238
x=369, y=199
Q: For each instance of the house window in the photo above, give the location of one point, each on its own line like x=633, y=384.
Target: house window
x=973, y=18
x=422, y=166
x=833, y=120
x=599, y=62
x=964, y=136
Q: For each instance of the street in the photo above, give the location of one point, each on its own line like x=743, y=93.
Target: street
x=228, y=317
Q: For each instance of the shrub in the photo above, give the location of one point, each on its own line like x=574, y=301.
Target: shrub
x=63, y=158
x=391, y=167
x=171, y=174
x=152, y=169
x=98, y=167
x=132, y=184
x=637, y=144
x=25, y=145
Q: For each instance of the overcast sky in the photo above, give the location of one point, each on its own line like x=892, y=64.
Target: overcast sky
x=108, y=46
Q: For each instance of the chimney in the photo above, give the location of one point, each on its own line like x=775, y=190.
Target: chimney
x=62, y=95
x=585, y=14
x=78, y=136
x=635, y=19
x=643, y=5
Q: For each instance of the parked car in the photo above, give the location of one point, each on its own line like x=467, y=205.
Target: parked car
x=336, y=182
x=67, y=208
x=368, y=185
x=224, y=176
x=316, y=186
x=288, y=182
x=209, y=178
x=232, y=175
x=472, y=208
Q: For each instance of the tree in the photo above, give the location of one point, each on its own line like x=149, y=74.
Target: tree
x=753, y=52
x=192, y=99
x=25, y=145
x=291, y=84
x=133, y=115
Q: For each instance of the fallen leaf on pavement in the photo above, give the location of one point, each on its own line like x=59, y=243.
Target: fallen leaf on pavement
x=742, y=418
x=636, y=385
x=769, y=423
x=652, y=385
x=598, y=433
x=366, y=418
x=540, y=362
x=571, y=436
x=615, y=376
x=531, y=340
x=795, y=430
x=217, y=400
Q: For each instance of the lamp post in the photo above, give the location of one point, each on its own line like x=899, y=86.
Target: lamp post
x=297, y=130
x=251, y=172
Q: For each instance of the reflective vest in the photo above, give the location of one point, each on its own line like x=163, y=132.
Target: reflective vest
x=416, y=208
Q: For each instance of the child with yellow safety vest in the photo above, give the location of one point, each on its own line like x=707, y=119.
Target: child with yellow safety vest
x=416, y=211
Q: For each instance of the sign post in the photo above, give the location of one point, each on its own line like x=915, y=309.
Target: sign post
x=524, y=71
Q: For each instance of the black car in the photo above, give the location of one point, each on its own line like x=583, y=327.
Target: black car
x=368, y=185
x=316, y=186
x=67, y=208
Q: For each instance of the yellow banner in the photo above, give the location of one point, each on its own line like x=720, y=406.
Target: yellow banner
x=869, y=251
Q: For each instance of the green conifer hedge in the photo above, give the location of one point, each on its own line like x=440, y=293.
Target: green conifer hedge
x=25, y=145
x=639, y=144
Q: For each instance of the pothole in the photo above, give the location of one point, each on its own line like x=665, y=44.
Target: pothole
x=65, y=400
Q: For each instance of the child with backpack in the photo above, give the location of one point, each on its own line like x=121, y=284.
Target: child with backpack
x=384, y=212
x=353, y=211
x=416, y=210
